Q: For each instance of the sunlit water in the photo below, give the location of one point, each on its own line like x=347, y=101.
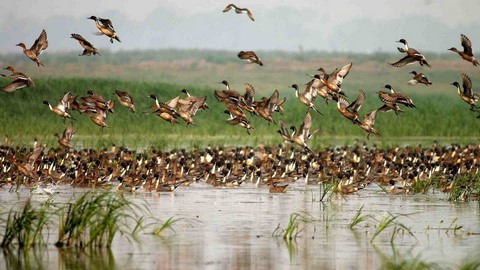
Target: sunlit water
x=232, y=229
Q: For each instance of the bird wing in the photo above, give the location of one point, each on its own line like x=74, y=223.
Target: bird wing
x=17, y=84
x=467, y=85
x=124, y=95
x=339, y=74
x=228, y=7
x=370, y=118
x=357, y=104
x=68, y=132
x=196, y=105
x=342, y=102
x=272, y=101
x=106, y=23
x=387, y=98
x=250, y=15
x=78, y=37
x=173, y=103
x=405, y=100
x=404, y=61
x=284, y=129
x=40, y=44
x=64, y=101
x=466, y=44
x=249, y=93
x=32, y=157
x=306, y=125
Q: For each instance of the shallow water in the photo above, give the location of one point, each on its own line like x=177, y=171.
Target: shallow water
x=232, y=229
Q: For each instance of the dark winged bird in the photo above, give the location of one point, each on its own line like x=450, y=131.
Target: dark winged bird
x=306, y=97
x=419, y=78
x=350, y=110
x=188, y=111
x=467, y=94
x=392, y=99
x=250, y=57
x=411, y=57
x=40, y=44
x=67, y=135
x=241, y=121
x=283, y=131
x=368, y=123
x=125, y=99
x=166, y=111
x=239, y=10
x=88, y=48
x=28, y=168
x=19, y=80
x=467, y=52
x=62, y=107
x=331, y=83
x=302, y=135
x=105, y=27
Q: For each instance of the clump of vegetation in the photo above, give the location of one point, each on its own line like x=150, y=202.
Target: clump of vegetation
x=390, y=220
x=358, y=218
x=94, y=219
x=168, y=224
x=291, y=231
x=25, y=229
x=465, y=187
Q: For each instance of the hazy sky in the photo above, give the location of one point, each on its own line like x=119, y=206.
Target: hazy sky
x=343, y=25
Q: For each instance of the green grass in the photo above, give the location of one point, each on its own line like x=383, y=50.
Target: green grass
x=25, y=229
x=94, y=219
x=440, y=116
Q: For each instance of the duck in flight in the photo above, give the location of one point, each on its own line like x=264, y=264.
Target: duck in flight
x=105, y=27
x=88, y=48
x=467, y=52
x=239, y=10
x=411, y=57
x=40, y=44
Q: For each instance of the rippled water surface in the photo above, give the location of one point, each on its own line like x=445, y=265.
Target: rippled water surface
x=232, y=229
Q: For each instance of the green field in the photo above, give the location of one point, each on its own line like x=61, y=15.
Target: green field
x=440, y=115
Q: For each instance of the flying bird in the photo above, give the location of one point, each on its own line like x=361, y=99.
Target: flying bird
x=67, y=135
x=368, y=124
x=88, y=48
x=239, y=10
x=250, y=57
x=411, y=57
x=306, y=97
x=125, y=99
x=105, y=27
x=467, y=94
x=301, y=138
x=419, y=78
x=467, y=53
x=350, y=110
x=40, y=44
x=19, y=80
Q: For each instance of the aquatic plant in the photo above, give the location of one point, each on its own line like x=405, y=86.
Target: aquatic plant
x=292, y=229
x=390, y=220
x=326, y=190
x=465, y=187
x=358, y=218
x=94, y=219
x=166, y=225
x=25, y=228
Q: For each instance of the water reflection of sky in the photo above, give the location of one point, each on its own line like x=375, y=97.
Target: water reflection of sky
x=232, y=229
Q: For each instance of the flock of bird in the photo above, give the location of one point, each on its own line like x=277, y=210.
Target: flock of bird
x=238, y=106
x=349, y=168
